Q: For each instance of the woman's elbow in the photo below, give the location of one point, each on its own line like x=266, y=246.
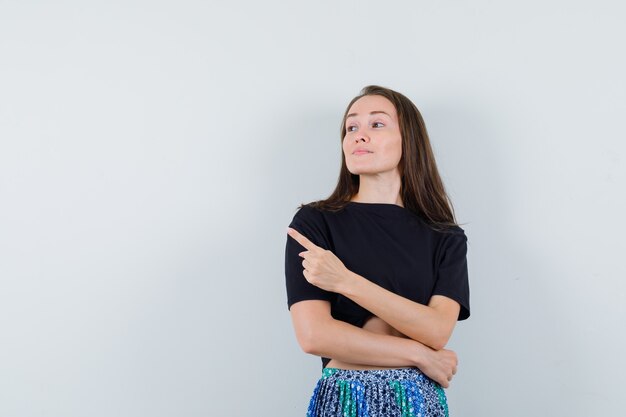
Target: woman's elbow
x=307, y=342
x=312, y=323
x=311, y=339
x=438, y=340
x=439, y=343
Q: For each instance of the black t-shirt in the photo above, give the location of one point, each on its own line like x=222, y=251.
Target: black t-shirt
x=387, y=244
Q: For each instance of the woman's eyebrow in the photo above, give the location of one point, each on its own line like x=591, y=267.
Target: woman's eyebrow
x=374, y=112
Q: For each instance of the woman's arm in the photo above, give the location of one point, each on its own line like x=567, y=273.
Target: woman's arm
x=432, y=324
x=318, y=333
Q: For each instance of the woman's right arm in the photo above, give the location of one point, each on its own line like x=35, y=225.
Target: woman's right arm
x=318, y=333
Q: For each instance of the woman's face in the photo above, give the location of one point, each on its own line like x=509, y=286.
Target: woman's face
x=373, y=142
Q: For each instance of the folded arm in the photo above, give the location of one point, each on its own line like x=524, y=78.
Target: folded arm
x=430, y=324
x=318, y=333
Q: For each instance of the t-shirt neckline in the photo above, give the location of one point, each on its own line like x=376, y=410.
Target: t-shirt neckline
x=363, y=204
x=385, y=210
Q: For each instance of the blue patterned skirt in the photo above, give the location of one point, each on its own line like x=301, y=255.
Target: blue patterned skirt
x=403, y=392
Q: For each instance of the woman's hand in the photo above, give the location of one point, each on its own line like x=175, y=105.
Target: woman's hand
x=321, y=267
x=439, y=365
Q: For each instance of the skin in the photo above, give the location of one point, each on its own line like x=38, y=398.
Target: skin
x=401, y=333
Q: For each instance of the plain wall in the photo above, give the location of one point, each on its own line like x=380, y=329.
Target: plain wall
x=152, y=155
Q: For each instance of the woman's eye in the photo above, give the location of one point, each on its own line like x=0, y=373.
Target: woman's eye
x=377, y=124
x=350, y=128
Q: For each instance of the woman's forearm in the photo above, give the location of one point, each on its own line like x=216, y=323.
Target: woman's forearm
x=342, y=341
x=431, y=325
x=351, y=344
x=320, y=334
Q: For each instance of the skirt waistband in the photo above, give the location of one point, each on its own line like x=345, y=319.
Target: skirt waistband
x=383, y=373
x=402, y=392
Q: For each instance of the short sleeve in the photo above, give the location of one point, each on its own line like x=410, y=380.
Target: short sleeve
x=452, y=277
x=310, y=223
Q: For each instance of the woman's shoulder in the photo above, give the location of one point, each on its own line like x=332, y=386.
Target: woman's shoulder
x=443, y=234
x=317, y=210
x=435, y=228
x=309, y=213
x=451, y=232
x=454, y=229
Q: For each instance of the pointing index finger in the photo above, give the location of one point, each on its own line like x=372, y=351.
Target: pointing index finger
x=301, y=239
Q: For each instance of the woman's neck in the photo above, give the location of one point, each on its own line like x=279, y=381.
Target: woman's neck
x=372, y=190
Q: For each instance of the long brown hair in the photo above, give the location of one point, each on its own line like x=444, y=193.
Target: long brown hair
x=422, y=190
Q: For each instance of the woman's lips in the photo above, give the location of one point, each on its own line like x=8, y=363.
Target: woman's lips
x=361, y=152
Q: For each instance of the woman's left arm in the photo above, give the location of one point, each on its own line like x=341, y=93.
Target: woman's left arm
x=430, y=324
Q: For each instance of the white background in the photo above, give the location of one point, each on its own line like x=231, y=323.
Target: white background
x=153, y=153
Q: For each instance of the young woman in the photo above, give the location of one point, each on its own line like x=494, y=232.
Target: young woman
x=376, y=274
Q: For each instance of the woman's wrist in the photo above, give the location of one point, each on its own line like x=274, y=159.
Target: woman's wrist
x=350, y=284
x=346, y=285
x=418, y=353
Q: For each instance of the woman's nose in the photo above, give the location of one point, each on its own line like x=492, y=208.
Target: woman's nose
x=360, y=136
